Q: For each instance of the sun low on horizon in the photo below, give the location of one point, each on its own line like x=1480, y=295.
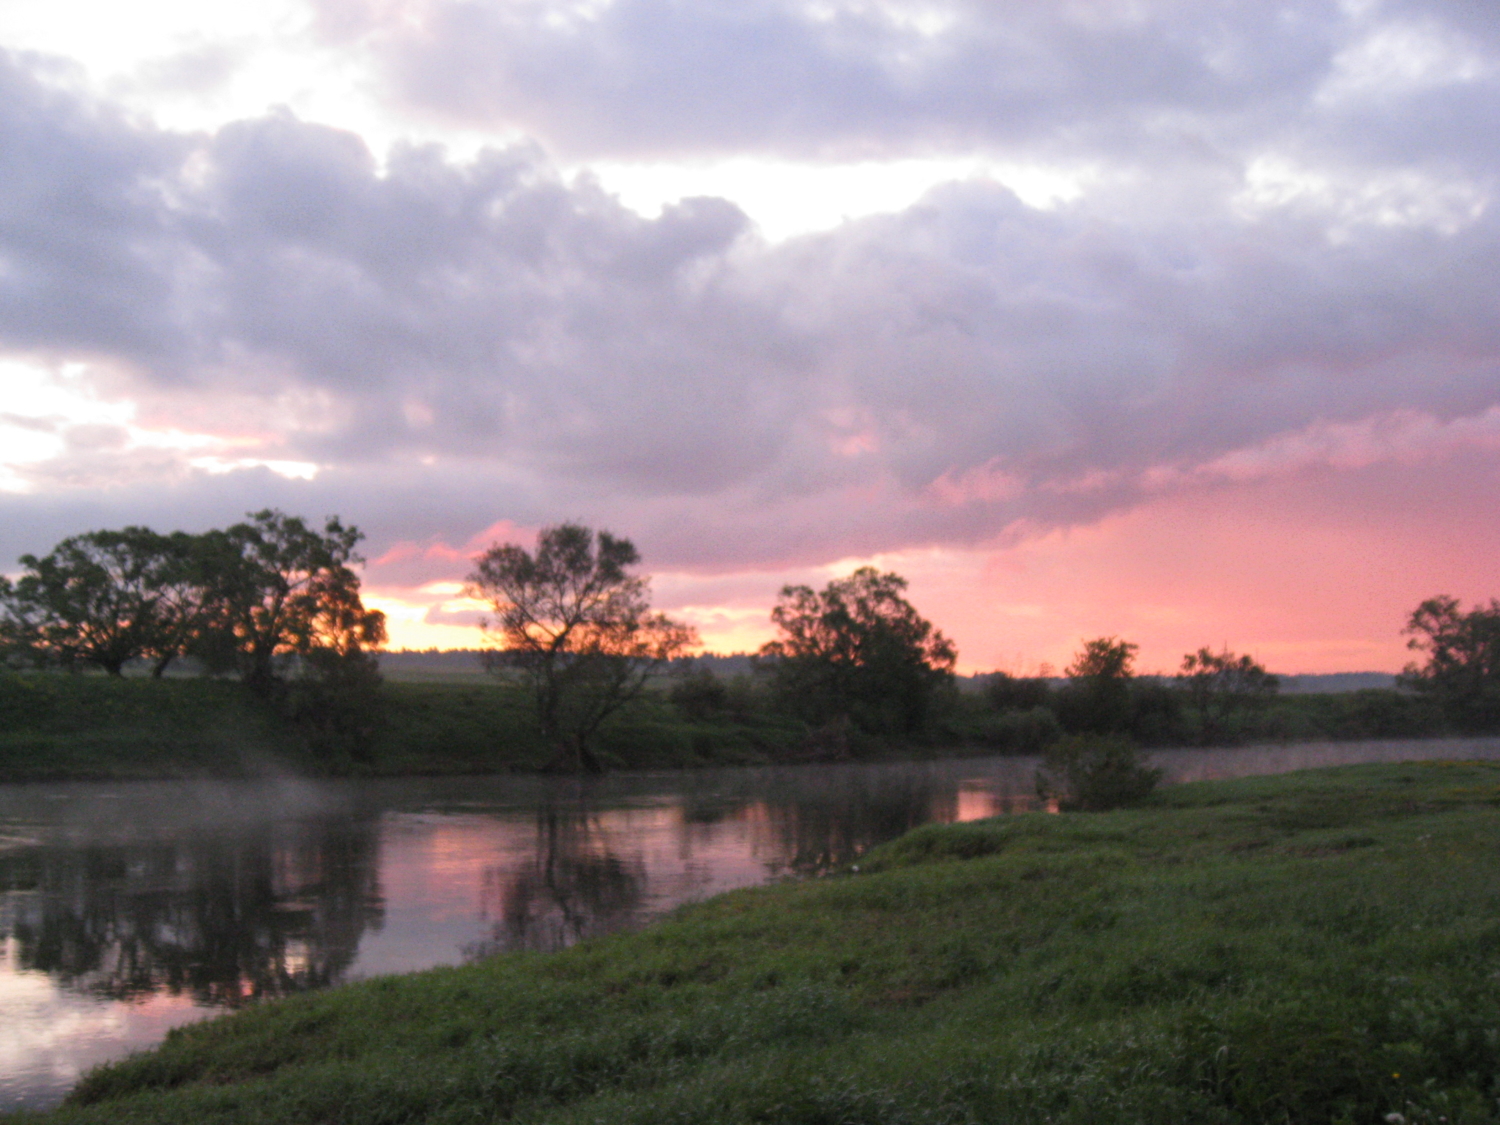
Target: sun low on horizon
x=1173, y=322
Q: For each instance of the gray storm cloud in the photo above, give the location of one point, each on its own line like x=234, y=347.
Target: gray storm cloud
x=1274, y=244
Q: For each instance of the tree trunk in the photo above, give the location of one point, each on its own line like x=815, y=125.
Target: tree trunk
x=587, y=763
x=572, y=755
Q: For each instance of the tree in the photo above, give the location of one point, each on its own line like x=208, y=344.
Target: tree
x=283, y=596
x=95, y=599
x=1097, y=700
x=858, y=652
x=183, y=582
x=1462, y=671
x=1219, y=684
x=576, y=624
x=1104, y=658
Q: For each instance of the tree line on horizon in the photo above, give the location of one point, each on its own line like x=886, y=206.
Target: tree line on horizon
x=275, y=602
x=272, y=600
x=258, y=599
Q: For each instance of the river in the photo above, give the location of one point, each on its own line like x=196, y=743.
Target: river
x=126, y=909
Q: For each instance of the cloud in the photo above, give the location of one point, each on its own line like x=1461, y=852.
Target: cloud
x=439, y=343
x=847, y=77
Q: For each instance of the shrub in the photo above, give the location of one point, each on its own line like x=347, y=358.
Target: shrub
x=1018, y=732
x=1094, y=772
x=700, y=695
x=1005, y=692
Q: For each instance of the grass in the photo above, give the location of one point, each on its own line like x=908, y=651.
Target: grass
x=93, y=727
x=56, y=727
x=1315, y=947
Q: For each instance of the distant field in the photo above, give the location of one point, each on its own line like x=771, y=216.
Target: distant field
x=1314, y=947
x=457, y=666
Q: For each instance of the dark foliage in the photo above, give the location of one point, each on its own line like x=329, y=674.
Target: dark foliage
x=272, y=600
x=701, y=694
x=857, y=654
x=575, y=623
x=104, y=598
x=1220, y=685
x=283, y=601
x=1097, y=698
x=1005, y=692
x=1462, y=669
x=1091, y=773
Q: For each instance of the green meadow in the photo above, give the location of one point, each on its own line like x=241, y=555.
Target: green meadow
x=1314, y=947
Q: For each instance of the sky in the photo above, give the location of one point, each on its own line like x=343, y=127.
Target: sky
x=1169, y=320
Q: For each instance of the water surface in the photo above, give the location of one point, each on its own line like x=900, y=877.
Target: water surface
x=126, y=909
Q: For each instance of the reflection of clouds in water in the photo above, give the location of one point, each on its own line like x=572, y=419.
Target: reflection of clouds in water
x=53, y=1035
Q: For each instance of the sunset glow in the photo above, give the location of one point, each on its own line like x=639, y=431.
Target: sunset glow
x=1164, y=321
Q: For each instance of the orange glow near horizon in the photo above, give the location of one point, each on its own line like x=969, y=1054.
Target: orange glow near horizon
x=1308, y=573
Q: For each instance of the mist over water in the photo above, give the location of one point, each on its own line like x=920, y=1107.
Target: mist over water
x=126, y=909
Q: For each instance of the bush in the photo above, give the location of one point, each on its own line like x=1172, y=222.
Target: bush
x=1155, y=713
x=1094, y=772
x=1017, y=732
x=1005, y=692
x=700, y=695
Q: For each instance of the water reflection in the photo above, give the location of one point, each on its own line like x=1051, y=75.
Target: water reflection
x=127, y=909
x=572, y=886
x=220, y=918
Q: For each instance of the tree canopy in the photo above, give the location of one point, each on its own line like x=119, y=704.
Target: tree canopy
x=1462, y=669
x=858, y=652
x=574, y=621
x=1104, y=658
x=282, y=589
x=1219, y=684
x=96, y=599
x=264, y=596
x=1097, y=699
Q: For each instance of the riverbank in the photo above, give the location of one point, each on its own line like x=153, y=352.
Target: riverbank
x=1312, y=947
x=58, y=727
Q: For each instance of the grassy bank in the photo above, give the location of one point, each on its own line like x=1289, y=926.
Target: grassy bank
x=94, y=727
x=1317, y=947
x=61, y=727
x=55, y=726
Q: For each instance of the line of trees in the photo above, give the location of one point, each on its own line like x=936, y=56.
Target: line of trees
x=276, y=602
x=572, y=620
x=1209, y=700
x=271, y=599
x=855, y=661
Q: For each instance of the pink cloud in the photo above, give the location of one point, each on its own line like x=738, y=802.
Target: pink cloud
x=406, y=563
x=987, y=483
x=1403, y=437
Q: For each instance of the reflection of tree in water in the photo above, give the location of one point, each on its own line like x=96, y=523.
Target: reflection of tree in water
x=572, y=887
x=223, y=918
x=817, y=827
